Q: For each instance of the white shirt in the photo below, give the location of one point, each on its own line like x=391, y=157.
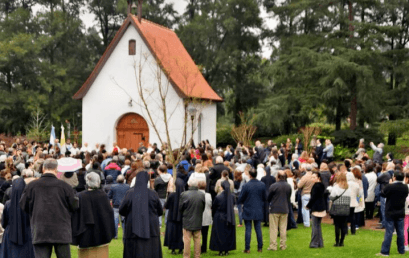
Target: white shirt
x=372, y=185
x=207, y=213
x=123, y=171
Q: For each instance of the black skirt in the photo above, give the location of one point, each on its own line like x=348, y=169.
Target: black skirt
x=174, y=235
x=223, y=237
x=142, y=248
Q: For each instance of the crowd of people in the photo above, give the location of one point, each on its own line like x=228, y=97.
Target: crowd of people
x=143, y=191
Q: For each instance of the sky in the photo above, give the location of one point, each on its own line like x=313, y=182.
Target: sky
x=180, y=6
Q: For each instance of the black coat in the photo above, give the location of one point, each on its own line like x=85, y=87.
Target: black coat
x=174, y=228
x=50, y=203
x=216, y=174
x=192, y=205
x=279, y=197
x=319, y=152
x=317, y=201
x=135, y=246
x=395, y=195
x=93, y=223
x=223, y=236
x=155, y=210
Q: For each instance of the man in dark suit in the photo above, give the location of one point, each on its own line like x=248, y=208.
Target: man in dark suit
x=216, y=174
x=253, y=197
x=395, y=194
x=318, y=152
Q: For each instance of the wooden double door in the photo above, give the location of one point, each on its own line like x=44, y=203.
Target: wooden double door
x=131, y=130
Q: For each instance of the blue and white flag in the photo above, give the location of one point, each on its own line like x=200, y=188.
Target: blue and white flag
x=52, y=136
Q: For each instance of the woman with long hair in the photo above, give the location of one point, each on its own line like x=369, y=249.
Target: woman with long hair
x=304, y=157
x=354, y=188
x=359, y=210
x=317, y=205
x=340, y=189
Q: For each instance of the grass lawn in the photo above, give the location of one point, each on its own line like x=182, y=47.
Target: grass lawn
x=366, y=243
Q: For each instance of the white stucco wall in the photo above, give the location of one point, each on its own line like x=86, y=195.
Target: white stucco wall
x=208, y=124
x=107, y=100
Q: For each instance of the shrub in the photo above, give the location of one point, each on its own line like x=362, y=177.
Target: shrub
x=350, y=139
x=341, y=153
x=326, y=129
x=283, y=138
x=223, y=135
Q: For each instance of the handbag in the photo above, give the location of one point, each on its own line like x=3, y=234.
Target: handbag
x=340, y=205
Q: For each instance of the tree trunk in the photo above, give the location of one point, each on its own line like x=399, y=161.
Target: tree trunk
x=338, y=116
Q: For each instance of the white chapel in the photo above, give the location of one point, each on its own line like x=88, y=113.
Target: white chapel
x=142, y=57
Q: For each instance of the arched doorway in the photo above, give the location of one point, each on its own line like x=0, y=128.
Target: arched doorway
x=131, y=130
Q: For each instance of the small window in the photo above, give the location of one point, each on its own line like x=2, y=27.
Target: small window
x=132, y=47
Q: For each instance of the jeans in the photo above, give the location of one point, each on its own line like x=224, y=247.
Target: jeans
x=390, y=225
x=316, y=233
x=116, y=219
x=291, y=221
x=299, y=210
x=383, y=202
x=305, y=213
x=45, y=250
x=162, y=202
x=257, y=227
x=240, y=211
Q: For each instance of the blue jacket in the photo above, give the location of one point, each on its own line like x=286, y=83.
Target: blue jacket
x=253, y=198
x=365, y=184
x=117, y=194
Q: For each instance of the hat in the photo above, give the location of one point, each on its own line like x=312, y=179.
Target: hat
x=3, y=158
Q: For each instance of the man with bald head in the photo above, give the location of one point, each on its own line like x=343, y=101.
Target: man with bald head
x=117, y=194
x=278, y=199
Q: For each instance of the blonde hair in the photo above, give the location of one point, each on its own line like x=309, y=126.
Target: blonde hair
x=199, y=168
x=342, y=181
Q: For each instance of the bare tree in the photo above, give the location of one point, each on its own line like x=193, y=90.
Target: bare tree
x=160, y=106
x=36, y=128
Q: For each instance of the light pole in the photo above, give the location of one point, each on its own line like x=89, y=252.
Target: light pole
x=192, y=112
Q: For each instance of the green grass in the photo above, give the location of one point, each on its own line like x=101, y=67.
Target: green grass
x=366, y=243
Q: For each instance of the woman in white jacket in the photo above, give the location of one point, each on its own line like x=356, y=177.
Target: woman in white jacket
x=370, y=199
x=354, y=189
x=359, y=210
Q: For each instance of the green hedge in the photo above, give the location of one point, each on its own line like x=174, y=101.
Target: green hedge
x=223, y=135
x=350, y=139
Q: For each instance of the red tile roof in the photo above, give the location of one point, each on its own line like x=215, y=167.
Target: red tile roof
x=167, y=48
